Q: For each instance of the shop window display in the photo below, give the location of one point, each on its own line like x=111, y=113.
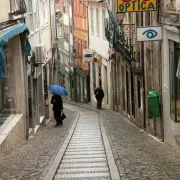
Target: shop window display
x=8, y=88
x=174, y=80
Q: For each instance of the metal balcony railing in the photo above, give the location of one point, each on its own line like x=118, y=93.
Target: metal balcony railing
x=17, y=7
x=118, y=42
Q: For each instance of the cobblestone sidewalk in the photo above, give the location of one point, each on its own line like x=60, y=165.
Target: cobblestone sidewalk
x=137, y=155
x=32, y=160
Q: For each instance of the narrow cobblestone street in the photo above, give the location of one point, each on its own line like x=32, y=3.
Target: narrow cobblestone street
x=137, y=155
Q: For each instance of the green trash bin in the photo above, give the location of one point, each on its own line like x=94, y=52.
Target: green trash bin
x=154, y=103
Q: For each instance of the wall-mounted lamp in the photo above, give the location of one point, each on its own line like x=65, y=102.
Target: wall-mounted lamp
x=120, y=18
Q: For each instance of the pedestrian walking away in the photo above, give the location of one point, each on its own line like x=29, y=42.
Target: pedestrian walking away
x=57, y=108
x=99, y=94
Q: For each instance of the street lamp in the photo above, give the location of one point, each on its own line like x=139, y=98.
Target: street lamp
x=120, y=18
x=74, y=53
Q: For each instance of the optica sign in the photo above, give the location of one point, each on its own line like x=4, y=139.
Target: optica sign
x=136, y=5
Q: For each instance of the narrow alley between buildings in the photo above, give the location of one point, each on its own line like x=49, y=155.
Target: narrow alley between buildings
x=137, y=155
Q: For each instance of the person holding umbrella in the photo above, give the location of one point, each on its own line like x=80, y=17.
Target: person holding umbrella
x=57, y=108
x=57, y=102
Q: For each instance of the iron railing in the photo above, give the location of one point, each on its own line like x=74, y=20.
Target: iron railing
x=117, y=40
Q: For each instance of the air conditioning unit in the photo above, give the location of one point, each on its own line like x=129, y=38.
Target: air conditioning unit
x=39, y=53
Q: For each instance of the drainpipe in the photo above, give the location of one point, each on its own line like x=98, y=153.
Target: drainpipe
x=142, y=61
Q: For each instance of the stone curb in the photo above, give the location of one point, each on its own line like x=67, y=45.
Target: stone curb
x=110, y=158
x=53, y=169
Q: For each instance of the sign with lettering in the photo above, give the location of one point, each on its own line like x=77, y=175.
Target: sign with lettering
x=87, y=55
x=151, y=33
x=136, y=5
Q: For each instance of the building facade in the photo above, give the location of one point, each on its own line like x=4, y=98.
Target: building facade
x=14, y=48
x=26, y=55
x=136, y=68
x=100, y=68
x=80, y=41
x=40, y=64
x=65, y=36
x=170, y=73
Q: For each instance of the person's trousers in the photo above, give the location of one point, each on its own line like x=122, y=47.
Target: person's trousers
x=57, y=117
x=99, y=103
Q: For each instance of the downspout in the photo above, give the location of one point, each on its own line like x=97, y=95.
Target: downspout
x=144, y=95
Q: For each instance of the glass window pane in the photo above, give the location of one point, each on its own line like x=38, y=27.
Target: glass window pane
x=172, y=80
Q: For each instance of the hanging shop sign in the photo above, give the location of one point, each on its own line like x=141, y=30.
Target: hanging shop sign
x=151, y=33
x=136, y=5
x=87, y=55
x=98, y=59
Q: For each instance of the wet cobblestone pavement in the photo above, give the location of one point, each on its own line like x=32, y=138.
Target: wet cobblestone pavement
x=137, y=155
x=32, y=160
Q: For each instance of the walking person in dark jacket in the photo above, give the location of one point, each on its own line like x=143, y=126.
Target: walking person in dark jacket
x=57, y=108
x=99, y=94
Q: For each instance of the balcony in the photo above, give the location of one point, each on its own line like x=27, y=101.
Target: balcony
x=17, y=8
x=118, y=42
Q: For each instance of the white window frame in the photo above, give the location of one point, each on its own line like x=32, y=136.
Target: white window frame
x=92, y=19
x=98, y=32
x=103, y=22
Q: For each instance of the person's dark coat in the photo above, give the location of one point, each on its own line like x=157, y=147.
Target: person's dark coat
x=99, y=93
x=57, y=103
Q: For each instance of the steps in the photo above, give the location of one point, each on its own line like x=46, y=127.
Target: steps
x=85, y=156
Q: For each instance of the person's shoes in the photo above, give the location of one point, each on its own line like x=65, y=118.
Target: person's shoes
x=57, y=125
x=61, y=123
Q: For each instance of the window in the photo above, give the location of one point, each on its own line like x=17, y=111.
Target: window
x=66, y=33
x=94, y=75
x=97, y=22
x=92, y=20
x=8, y=95
x=31, y=27
x=174, y=80
x=140, y=95
x=103, y=22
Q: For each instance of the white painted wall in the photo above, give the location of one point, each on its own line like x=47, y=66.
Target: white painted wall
x=4, y=10
x=100, y=45
x=170, y=127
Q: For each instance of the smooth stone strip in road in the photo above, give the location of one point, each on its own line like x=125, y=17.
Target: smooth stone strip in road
x=90, y=169
x=84, y=156
x=84, y=175
x=85, y=149
x=82, y=165
x=83, y=160
x=84, y=152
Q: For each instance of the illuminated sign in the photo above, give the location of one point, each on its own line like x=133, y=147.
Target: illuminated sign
x=151, y=33
x=136, y=5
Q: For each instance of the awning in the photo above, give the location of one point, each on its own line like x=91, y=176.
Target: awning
x=5, y=36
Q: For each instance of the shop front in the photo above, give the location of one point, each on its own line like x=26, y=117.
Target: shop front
x=171, y=86
x=12, y=86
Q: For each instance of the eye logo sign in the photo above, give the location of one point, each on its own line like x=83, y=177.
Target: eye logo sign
x=152, y=33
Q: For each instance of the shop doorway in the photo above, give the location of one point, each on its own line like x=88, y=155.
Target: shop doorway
x=127, y=92
x=132, y=96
